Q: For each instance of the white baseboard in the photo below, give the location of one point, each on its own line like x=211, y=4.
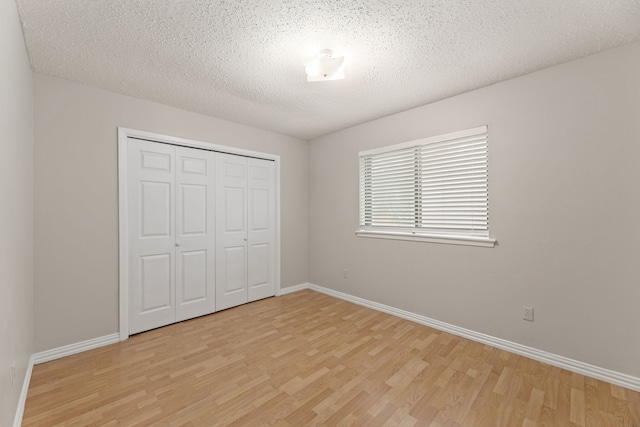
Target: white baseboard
x=613, y=377
x=68, y=350
x=22, y=400
x=295, y=288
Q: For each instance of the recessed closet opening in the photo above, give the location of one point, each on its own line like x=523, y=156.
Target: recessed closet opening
x=199, y=228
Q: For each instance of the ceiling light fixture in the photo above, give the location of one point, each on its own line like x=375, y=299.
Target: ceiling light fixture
x=324, y=67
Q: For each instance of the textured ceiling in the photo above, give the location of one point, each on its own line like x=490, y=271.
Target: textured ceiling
x=243, y=60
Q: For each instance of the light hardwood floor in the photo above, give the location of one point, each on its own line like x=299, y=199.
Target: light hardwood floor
x=310, y=359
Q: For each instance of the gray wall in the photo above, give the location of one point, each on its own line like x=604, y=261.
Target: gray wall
x=564, y=147
x=16, y=210
x=76, y=220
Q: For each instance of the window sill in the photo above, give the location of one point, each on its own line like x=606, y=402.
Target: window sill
x=485, y=242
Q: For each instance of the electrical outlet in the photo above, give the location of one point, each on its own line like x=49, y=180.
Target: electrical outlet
x=527, y=313
x=345, y=273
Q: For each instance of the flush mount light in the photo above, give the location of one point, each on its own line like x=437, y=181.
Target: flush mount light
x=324, y=67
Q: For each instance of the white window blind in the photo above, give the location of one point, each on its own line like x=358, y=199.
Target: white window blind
x=436, y=185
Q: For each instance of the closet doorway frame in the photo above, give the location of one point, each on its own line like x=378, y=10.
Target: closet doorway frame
x=123, y=227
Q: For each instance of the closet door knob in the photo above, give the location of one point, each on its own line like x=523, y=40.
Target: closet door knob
x=177, y=244
x=245, y=239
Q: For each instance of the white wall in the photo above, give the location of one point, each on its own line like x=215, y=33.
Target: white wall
x=16, y=210
x=76, y=220
x=564, y=147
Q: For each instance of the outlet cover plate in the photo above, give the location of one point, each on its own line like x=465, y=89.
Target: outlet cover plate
x=527, y=313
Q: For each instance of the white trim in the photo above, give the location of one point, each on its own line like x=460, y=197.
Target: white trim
x=294, y=288
x=278, y=225
x=123, y=134
x=428, y=140
x=22, y=400
x=613, y=377
x=174, y=140
x=431, y=238
x=68, y=350
x=123, y=232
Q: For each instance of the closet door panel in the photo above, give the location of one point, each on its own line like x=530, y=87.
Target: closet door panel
x=234, y=267
x=231, y=230
x=259, y=269
x=155, y=282
x=151, y=235
x=261, y=229
x=195, y=233
x=193, y=279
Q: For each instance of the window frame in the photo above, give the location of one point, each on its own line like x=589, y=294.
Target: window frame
x=419, y=233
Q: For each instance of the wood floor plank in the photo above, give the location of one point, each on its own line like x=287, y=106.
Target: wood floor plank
x=309, y=359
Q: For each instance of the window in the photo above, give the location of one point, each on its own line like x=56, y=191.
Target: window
x=433, y=189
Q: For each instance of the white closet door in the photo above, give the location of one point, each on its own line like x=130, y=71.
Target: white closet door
x=261, y=229
x=231, y=230
x=195, y=233
x=151, y=235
